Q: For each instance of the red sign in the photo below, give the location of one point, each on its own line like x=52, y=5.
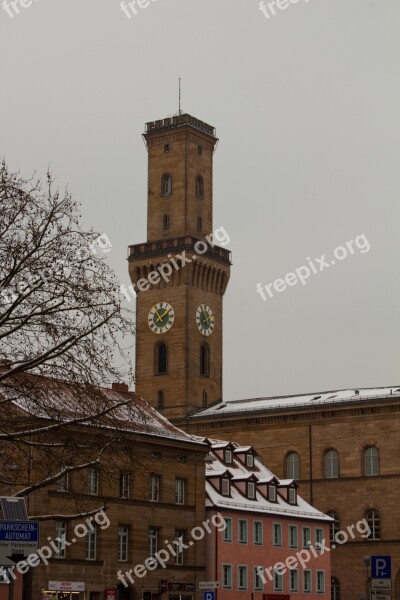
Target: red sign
x=110, y=594
x=276, y=597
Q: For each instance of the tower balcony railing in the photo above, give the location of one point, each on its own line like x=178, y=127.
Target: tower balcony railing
x=180, y=120
x=177, y=244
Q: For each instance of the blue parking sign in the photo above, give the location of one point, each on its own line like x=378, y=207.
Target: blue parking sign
x=209, y=595
x=381, y=567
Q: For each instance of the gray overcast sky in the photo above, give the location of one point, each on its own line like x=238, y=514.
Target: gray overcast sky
x=306, y=106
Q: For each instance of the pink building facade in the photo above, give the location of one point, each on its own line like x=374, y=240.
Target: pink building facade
x=275, y=546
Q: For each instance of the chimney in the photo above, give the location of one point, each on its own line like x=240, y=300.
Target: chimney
x=120, y=387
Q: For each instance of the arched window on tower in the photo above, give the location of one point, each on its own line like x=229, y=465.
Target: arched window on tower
x=331, y=464
x=199, y=186
x=165, y=222
x=293, y=466
x=166, y=184
x=160, y=358
x=374, y=523
x=371, y=461
x=204, y=359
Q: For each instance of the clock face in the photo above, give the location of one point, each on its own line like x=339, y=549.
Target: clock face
x=161, y=317
x=205, y=319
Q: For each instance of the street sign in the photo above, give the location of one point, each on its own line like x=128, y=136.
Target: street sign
x=381, y=585
x=209, y=596
x=208, y=585
x=381, y=567
x=381, y=596
x=18, y=539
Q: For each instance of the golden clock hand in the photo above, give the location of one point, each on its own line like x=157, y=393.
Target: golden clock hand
x=158, y=316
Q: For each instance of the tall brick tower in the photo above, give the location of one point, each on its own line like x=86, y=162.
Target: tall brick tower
x=180, y=274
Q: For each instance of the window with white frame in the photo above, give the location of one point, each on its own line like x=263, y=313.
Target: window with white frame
x=259, y=579
x=251, y=490
x=293, y=536
x=293, y=466
x=179, y=540
x=227, y=576
x=258, y=533
x=155, y=486
x=306, y=537
x=332, y=464
x=61, y=534
x=249, y=460
x=371, y=461
x=319, y=538
x=123, y=538
x=278, y=581
x=124, y=485
x=93, y=481
x=153, y=540
x=228, y=457
x=227, y=532
x=272, y=493
x=242, y=577
x=180, y=489
x=294, y=580
x=374, y=524
x=307, y=585
x=225, y=486
x=320, y=582
x=277, y=534
x=91, y=543
x=243, y=537
x=334, y=525
x=292, y=496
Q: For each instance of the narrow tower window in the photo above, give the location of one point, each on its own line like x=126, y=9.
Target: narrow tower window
x=161, y=358
x=166, y=184
x=200, y=150
x=160, y=399
x=205, y=399
x=205, y=359
x=166, y=148
x=165, y=222
x=199, y=186
x=199, y=224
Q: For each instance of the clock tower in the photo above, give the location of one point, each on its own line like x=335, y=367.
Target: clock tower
x=181, y=273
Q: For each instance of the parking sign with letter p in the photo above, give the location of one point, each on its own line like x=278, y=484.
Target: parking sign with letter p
x=209, y=595
x=381, y=567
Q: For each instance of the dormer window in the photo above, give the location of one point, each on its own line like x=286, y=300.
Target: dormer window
x=225, y=487
x=249, y=461
x=292, y=496
x=272, y=493
x=251, y=490
x=228, y=457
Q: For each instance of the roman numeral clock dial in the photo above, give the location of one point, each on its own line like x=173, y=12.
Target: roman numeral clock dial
x=205, y=319
x=161, y=317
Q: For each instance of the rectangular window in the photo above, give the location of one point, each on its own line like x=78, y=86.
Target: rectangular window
x=277, y=534
x=61, y=534
x=62, y=483
x=180, y=485
x=93, y=481
x=272, y=493
x=242, y=531
x=227, y=576
x=227, y=532
x=153, y=541
x=242, y=577
x=307, y=581
x=200, y=150
x=319, y=538
x=257, y=533
x=251, y=490
x=91, y=542
x=155, y=484
x=278, y=582
x=228, y=457
x=249, y=461
x=294, y=580
x=166, y=148
x=178, y=546
x=124, y=485
x=225, y=487
x=306, y=537
x=320, y=582
x=292, y=496
x=123, y=535
x=258, y=581
x=293, y=541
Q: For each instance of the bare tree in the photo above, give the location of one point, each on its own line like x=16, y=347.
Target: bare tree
x=61, y=326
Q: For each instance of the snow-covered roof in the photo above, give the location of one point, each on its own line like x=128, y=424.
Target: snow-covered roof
x=238, y=501
x=300, y=402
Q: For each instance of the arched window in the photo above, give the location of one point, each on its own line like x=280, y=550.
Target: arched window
x=199, y=186
x=371, y=461
x=374, y=523
x=293, y=466
x=161, y=358
x=204, y=359
x=205, y=399
x=335, y=589
x=334, y=526
x=199, y=224
x=166, y=184
x=160, y=399
x=165, y=222
x=331, y=464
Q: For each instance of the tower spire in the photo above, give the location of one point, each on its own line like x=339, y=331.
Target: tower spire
x=180, y=110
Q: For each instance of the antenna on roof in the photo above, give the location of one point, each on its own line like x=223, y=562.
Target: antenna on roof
x=180, y=111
